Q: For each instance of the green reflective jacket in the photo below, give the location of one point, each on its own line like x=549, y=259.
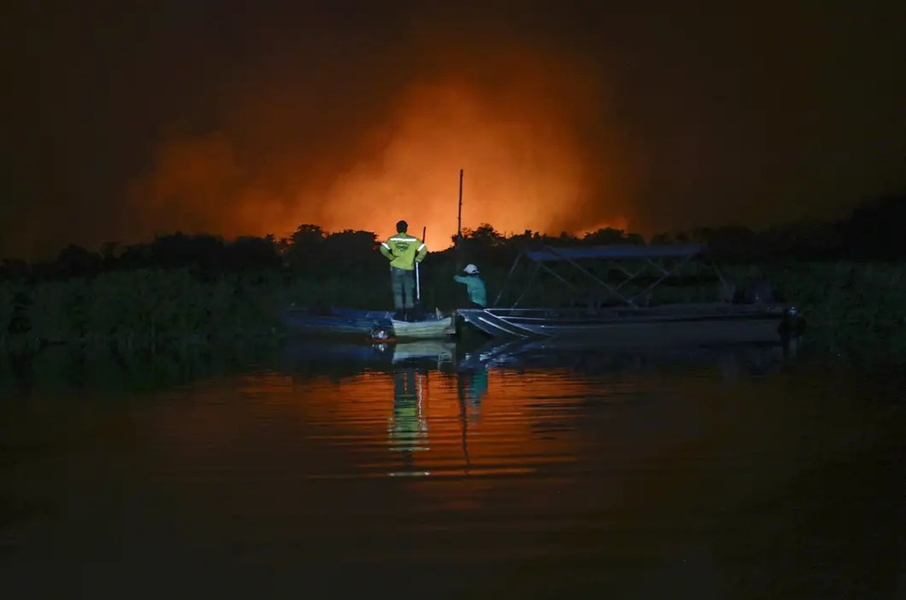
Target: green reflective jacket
x=475, y=286
x=403, y=250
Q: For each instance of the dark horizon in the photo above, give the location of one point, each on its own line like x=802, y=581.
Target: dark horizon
x=876, y=218
x=871, y=234
x=236, y=119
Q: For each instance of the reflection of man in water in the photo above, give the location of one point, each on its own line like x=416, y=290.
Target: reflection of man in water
x=472, y=387
x=408, y=430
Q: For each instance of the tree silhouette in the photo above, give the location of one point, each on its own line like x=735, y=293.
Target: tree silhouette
x=75, y=261
x=871, y=233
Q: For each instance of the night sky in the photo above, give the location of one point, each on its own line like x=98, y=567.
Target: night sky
x=125, y=119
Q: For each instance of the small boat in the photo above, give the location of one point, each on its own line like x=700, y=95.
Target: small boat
x=612, y=315
x=379, y=325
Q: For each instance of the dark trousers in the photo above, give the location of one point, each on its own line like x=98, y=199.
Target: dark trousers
x=403, y=283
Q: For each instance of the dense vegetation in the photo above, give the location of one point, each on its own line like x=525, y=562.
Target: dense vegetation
x=182, y=289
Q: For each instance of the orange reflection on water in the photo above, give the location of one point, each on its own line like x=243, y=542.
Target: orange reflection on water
x=466, y=436
x=430, y=422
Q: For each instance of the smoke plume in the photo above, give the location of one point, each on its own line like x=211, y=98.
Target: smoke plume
x=526, y=124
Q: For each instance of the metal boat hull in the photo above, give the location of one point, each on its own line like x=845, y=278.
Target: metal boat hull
x=424, y=330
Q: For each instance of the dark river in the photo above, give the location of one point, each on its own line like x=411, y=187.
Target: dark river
x=321, y=471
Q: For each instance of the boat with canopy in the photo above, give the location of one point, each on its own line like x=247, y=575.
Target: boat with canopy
x=611, y=293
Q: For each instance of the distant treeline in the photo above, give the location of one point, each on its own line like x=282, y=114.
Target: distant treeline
x=872, y=233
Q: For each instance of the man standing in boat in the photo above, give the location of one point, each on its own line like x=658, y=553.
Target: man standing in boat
x=403, y=251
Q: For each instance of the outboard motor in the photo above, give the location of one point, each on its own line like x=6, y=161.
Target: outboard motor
x=380, y=335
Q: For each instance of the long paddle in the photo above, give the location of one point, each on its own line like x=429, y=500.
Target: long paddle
x=418, y=285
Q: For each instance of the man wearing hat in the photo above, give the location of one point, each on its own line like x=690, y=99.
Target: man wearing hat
x=478, y=294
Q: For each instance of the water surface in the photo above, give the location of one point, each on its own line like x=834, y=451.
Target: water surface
x=331, y=470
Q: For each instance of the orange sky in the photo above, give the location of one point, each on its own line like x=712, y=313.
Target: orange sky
x=128, y=121
x=516, y=122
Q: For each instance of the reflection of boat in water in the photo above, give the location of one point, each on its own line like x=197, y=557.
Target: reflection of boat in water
x=313, y=351
x=588, y=355
x=408, y=426
x=442, y=351
x=340, y=321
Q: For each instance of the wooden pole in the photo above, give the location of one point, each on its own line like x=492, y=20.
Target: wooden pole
x=459, y=264
x=459, y=212
x=418, y=284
